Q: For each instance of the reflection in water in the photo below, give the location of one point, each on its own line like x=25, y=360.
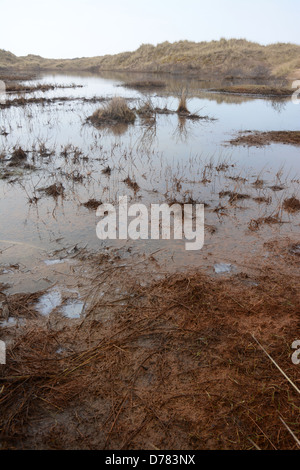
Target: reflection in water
x=169, y=157
x=181, y=132
x=278, y=105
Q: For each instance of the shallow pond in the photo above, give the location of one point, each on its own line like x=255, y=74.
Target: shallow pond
x=170, y=159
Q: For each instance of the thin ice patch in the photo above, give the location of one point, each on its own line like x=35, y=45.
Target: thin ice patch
x=223, y=268
x=50, y=262
x=8, y=323
x=73, y=309
x=49, y=302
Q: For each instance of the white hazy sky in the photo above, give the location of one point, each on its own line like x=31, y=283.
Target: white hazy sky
x=77, y=28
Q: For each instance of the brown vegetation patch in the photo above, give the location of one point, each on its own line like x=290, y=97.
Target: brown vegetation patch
x=182, y=107
x=107, y=171
x=164, y=110
x=55, y=190
x=233, y=196
x=295, y=249
x=16, y=102
x=255, y=224
x=260, y=139
x=15, y=76
x=116, y=111
x=23, y=305
x=132, y=184
x=18, y=156
x=277, y=188
x=262, y=200
x=145, y=84
x=175, y=367
x=146, y=110
x=259, y=184
x=3, y=286
x=43, y=87
x=258, y=90
x=92, y=204
x=292, y=204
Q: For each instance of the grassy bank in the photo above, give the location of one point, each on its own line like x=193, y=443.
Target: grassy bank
x=226, y=58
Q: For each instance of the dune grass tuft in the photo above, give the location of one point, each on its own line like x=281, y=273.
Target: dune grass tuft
x=115, y=111
x=182, y=108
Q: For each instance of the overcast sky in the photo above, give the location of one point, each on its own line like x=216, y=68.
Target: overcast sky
x=77, y=28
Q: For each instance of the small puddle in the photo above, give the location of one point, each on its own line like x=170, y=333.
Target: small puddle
x=223, y=268
x=73, y=309
x=54, y=300
x=49, y=302
x=49, y=262
x=8, y=323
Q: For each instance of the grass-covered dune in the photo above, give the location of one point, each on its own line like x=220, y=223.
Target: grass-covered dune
x=224, y=58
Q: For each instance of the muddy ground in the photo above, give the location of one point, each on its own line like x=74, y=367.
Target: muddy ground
x=168, y=364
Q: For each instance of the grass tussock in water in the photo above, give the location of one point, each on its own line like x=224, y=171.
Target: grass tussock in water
x=260, y=139
x=292, y=204
x=146, y=110
x=116, y=111
x=92, y=204
x=42, y=100
x=145, y=84
x=182, y=107
x=42, y=87
x=18, y=154
x=55, y=190
x=132, y=184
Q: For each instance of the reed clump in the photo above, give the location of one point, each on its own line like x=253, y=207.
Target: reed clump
x=292, y=204
x=113, y=112
x=182, y=107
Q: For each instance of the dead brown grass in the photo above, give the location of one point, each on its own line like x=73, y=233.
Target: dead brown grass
x=262, y=200
x=182, y=107
x=291, y=204
x=234, y=58
x=233, y=196
x=55, y=190
x=145, y=84
x=255, y=224
x=115, y=111
x=18, y=155
x=146, y=110
x=132, y=184
x=92, y=204
x=11, y=77
x=260, y=139
x=22, y=101
x=174, y=367
x=42, y=87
